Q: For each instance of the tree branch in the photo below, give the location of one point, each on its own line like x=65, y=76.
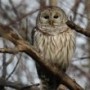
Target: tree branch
x=53, y=2
x=82, y=72
x=78, y=28
x=7, y=33
x=9, y=50
x=15, y=85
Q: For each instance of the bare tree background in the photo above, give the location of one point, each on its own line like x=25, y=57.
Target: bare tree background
x=21, y=16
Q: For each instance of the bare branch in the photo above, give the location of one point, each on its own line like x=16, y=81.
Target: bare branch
x=4, y=12
x=10, y=60
x=78, y=28
x=53, y=2
x=9, y=50
x=83, y=72
x=42, y=3
x=21, y=18
x=14, y=85
x=4, y=66
x=14, y=68
x=14, y=9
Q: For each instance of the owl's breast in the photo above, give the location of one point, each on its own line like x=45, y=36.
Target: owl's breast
x=56, y=50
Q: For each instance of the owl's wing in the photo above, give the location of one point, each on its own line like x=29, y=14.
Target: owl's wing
x=32, y=35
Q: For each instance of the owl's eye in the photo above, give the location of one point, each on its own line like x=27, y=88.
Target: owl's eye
x=56, y=16
x=46, y=17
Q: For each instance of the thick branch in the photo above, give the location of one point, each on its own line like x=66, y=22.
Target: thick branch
x=9, y=34
x=53, y=2
x=78, y=28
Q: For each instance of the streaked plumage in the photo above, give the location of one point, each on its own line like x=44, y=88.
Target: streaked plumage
x=53, y=39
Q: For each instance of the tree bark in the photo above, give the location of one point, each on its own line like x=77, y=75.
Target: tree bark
x=53, y=2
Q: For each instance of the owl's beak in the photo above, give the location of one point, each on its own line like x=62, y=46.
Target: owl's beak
x=51, y=22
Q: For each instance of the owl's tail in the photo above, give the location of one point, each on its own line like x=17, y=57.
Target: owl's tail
x=48, y=81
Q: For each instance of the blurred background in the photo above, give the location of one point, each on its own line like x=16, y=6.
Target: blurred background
x=21, y=16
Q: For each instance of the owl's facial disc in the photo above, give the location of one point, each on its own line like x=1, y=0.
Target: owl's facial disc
x=50, y=18
x=51, y=22
x=46, y=17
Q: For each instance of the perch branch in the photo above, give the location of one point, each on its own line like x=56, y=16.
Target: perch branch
x=7, y=33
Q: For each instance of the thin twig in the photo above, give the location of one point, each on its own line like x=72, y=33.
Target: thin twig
x=10, y=60
x=5, y=12
x=82, y=71
x=14, y=9
x=81, y=58
x=14, y=68
x=14, y=85
x=4, y=63
x=21, y=18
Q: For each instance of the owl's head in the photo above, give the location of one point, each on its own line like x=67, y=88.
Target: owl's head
x=51, y=16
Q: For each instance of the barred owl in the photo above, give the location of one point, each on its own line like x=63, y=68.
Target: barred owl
x=54, y=40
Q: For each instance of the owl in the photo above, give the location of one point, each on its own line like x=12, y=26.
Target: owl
x=54, y=41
